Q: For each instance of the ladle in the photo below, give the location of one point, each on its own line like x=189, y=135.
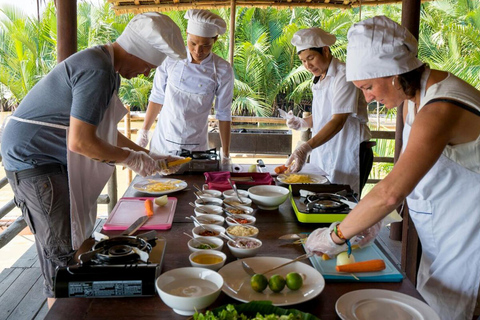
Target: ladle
x=195, y=239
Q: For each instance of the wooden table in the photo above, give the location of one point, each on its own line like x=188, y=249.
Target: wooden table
x=271, y=224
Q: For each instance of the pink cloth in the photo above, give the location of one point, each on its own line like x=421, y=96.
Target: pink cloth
x=218, y=180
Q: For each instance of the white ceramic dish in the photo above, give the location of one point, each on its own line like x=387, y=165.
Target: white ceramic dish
x=187, y=290
x=209, y=219
x=212, y=193
x=208, y=255
x=382, y=304
x=199, y=229
x=251, y=219
x=231, y=193
x=268, y=197
x=245, y=209
x=314, y=178
x=143, y=185
x=237, y=281
x=194, y=243
x=244, y=252
x=208, y=201
x=249, y=231
x=234, y=201
x=208, y=210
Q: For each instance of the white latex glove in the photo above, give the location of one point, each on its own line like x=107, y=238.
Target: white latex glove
x=296, y=123
x=296, y=161
x=140, y=162
x=320, y=242
x=225, y=163
x=142, y=138
x=167, y=158
x=366, y=237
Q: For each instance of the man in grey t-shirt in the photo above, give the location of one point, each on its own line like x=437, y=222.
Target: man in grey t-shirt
x=60, y=145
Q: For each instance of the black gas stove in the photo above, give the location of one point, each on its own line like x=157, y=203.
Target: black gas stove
x=326, y=203
x=202, y=161
x=122, y=266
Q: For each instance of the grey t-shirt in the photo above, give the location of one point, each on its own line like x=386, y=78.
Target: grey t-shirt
x=81, y=86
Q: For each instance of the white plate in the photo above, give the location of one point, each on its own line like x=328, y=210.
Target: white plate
x=141, y=186
x=237, y=282
x=382, y=304
x=316, y=178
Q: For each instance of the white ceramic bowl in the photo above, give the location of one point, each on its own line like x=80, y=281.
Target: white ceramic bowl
x=234, y=201
x=250, y=219
x=208, y=201
x=242, y=231
x=208, y=210
x=268, y=197
x=197, y=231
x=245, y=209
x=244, y=252
x=209, y=219
x=194, y=243
x=187, y=290
x=210, y=259
x=211, y=193
x=231, y=193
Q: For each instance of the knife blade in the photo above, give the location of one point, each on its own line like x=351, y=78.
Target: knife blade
x=135, y=226
x=293, y=236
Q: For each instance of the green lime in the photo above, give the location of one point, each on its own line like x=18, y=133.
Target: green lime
x=276, y=283
x=294, y=281
x=258, y=282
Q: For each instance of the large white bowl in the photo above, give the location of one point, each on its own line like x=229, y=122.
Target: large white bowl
x=268, y=197
x=187, y=290
x=208, y=254
x=244, y=252
x=215, y=228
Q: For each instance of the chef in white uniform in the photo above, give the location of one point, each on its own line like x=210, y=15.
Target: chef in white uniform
x=438, y=171
x=61, y=144
x=339, y=143
x=184, y=91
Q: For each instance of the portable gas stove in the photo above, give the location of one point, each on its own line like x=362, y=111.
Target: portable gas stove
x=122, y=266
x=201, y=161
x=326, y=203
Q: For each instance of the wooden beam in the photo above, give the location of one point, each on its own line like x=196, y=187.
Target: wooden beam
x=66, y=28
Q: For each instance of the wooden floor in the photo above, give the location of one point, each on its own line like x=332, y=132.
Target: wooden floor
x=21, y=286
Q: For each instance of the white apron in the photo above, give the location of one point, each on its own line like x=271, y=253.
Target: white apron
x=86, y=177
x=183, y=122
x=340, y=156
x=445, y=209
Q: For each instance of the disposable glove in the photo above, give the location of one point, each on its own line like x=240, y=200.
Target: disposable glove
x=226, y=163
x=320, y=242
x=296, y=123
x=299, y=156
x=366, y=237
x=167, y=158
x=140, y=162
x=142, y=138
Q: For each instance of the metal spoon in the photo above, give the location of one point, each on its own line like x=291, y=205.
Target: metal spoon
x=198, y=188
x=231, y=219
x=234, y=187
x=227, y=237
x=195, y=239
x=199, y=197
x=250, y=271
x=198, y=208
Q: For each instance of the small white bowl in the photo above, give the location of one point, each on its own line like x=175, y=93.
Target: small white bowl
x=209, y=219
x=187, y=290
x=212, y=193
x=251, y=219
x=211, y=209
x=234, y=201
x=193, y=244
x=242, y=231
x=210, y=259
x=244, y=252
x=214, y=228
x=268, y=197
x=245, y=209
x=231, y=193
x=208, y=201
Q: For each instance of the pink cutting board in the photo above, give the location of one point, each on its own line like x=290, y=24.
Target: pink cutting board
x=128, y=210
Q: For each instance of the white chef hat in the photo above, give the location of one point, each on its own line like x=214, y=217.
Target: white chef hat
x=204, y=23
x=380, y=47
x=152, y=37
x=312, y=38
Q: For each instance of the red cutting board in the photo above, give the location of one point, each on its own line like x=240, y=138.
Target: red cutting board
x=128, y=210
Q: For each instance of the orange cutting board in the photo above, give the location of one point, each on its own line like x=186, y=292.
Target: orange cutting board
x=128, y=210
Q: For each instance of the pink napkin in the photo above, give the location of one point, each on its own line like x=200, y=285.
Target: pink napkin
x=218, y=180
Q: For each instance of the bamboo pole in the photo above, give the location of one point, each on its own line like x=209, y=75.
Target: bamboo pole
x=231, y=49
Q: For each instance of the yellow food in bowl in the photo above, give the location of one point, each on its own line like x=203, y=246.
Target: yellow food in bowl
x=207, y=259
x=155, y=186
x=242, y=231
x=298, y=178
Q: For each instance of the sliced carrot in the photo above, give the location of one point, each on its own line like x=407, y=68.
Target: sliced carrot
x=281, y=169
x=149, y=207
x=362, y=266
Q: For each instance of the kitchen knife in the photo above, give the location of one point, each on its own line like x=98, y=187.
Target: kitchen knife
x=135, y=226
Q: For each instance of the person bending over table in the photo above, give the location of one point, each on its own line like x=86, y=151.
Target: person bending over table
x=61, y=144
x=438, y=171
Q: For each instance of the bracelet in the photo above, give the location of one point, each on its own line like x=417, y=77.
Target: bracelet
x=340, y=235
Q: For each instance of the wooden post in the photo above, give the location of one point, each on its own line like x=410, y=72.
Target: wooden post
x=233, y=10
x=66, y=28
x=128, y=134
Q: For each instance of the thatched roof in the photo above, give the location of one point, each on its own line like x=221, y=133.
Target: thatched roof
x=138, y=6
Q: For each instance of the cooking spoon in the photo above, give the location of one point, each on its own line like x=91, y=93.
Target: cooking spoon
x=198, y=188
x=234, y=187
x=199, y=197
x=235, y=243
x=198, y=208
x=195, y=239
x=231, y=219
x=251, y=272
